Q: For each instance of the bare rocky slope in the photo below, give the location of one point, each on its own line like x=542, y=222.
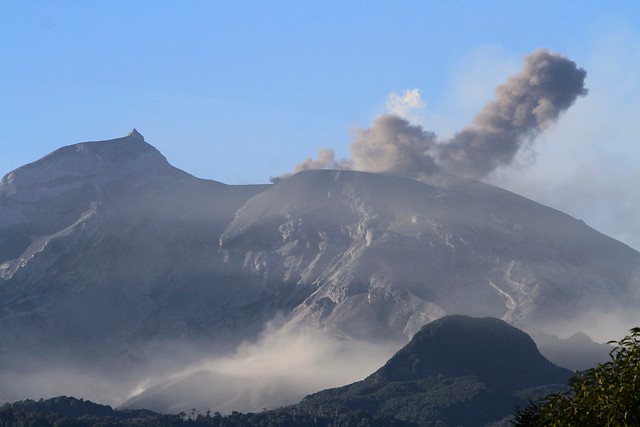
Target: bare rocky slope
x=107, y=252
x=384, y=255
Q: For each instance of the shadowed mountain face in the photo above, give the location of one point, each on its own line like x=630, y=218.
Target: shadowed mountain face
x=112, y=258
x=457, y=370
x=106, y=248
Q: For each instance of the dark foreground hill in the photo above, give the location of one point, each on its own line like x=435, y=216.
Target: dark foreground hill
x=456, y=371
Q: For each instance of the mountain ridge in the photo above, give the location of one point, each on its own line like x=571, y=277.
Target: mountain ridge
x=92, y=158
x=124, y=263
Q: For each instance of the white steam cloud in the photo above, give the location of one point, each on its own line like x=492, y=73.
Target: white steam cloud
x=402, y=105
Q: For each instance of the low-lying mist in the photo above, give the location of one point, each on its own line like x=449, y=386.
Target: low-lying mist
x=51, y=380
x=279, y=368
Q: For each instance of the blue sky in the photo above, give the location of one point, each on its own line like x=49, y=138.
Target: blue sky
x=241, y=91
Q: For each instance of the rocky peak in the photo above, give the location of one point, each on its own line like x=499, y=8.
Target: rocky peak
x=94, y=163
x=135, y=134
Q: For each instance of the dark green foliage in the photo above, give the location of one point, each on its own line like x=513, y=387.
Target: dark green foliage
x=65, y=411
x=607, y=395
x=432, y=401
x=71, y=412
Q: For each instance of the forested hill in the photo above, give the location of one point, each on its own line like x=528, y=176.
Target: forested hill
x=456, y=371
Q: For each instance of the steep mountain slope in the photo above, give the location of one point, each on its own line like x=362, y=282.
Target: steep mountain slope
x=387, y=254
x=456, y=370
x=107, y=249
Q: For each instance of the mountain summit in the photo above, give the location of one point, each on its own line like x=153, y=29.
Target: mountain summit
x=95, y=163
x=135, y=134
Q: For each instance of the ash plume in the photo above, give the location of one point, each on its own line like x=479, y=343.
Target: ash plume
x=394, y=145
x=326, y=160
x=527, y=104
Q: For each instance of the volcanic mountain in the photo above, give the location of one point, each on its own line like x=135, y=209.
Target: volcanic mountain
x=384, y=255
x=113, y=259
x=106, y=249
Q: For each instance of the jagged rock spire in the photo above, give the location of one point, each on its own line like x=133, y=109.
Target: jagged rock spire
x=135, y=134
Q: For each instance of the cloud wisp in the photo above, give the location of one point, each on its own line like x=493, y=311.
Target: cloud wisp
x=403, y=105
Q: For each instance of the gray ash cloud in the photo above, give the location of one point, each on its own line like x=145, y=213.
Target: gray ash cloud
x=527, y=104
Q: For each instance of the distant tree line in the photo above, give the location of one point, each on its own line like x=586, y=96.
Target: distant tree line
x=71, y=412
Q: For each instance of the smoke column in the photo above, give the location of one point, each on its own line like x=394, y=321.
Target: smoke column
x=393, y=145
x=527, y=104
x=326, y=160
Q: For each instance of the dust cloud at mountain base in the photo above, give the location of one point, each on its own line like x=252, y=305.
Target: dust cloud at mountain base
x=280, y=368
